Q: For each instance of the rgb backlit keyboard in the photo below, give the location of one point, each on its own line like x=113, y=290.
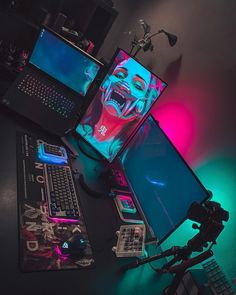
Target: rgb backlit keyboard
x=48, y=94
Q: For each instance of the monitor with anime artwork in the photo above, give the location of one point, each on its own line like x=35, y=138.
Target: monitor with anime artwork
x=164, y=186
x=124, y=98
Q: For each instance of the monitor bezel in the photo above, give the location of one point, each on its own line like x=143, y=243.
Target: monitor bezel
x=72, y=45
x=104, y=74
x=149, y=227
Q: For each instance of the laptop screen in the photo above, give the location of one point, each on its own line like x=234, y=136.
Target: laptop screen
x=64, y=62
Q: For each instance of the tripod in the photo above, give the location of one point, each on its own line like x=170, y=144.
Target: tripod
x=211, y=217
x=180, y=253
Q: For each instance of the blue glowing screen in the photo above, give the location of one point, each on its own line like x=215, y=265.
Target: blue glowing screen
x=164, y=185
x=63, y=62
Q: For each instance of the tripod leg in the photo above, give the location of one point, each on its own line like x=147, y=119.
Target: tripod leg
x=168, y=264
x=138, y=262
x=175, y=283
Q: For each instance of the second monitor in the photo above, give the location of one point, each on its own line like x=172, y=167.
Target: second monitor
x=163, y=184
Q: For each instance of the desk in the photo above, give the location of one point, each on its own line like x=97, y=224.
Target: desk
x=102, y=222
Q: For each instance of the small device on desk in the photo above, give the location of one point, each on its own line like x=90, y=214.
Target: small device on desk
x=125, y=203
x=130, y=241
x=126, y=206
x=61, y=193
x=54, y=154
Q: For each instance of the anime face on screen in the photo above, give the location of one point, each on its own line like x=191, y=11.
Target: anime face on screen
x=124, y=97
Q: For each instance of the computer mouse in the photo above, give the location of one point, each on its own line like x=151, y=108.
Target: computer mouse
x=74, y=246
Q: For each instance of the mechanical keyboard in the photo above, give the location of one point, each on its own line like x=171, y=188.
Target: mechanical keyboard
x=60, y=191
x=47, y=93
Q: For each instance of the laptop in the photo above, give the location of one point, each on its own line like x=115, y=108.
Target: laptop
x=54, y=88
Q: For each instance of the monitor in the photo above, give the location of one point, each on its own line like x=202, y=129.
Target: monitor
x=163, y=184
x=124, y=97
x=65, y=62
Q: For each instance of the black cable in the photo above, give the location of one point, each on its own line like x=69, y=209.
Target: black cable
x=150, y=264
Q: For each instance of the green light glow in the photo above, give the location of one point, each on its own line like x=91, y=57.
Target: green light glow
x=219, y=176
x=137, y=280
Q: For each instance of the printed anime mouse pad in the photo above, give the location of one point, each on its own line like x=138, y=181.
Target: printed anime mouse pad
x=41, y=239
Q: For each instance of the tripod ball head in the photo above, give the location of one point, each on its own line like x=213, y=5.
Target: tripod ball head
x=210, y=215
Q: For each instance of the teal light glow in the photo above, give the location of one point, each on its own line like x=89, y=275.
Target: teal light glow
x=65, y=245
x=219, y=176
x=137, y=280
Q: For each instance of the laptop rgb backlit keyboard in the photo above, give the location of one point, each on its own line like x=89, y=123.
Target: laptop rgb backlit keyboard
x=48, y=95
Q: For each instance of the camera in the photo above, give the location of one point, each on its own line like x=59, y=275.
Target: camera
x=210, y=215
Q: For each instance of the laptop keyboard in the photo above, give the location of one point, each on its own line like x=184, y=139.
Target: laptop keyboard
x=47, y=94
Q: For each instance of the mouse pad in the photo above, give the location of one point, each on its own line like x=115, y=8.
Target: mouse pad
x=40, y=237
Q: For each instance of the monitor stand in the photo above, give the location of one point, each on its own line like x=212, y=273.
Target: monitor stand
x=92, y=168
x=87, y=150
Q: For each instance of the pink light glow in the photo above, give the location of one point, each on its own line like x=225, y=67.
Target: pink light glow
x=62, y=257
x=57, y=249
x=91, y=46
x=123, y=197
x=63, y=220
x=178, y=124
